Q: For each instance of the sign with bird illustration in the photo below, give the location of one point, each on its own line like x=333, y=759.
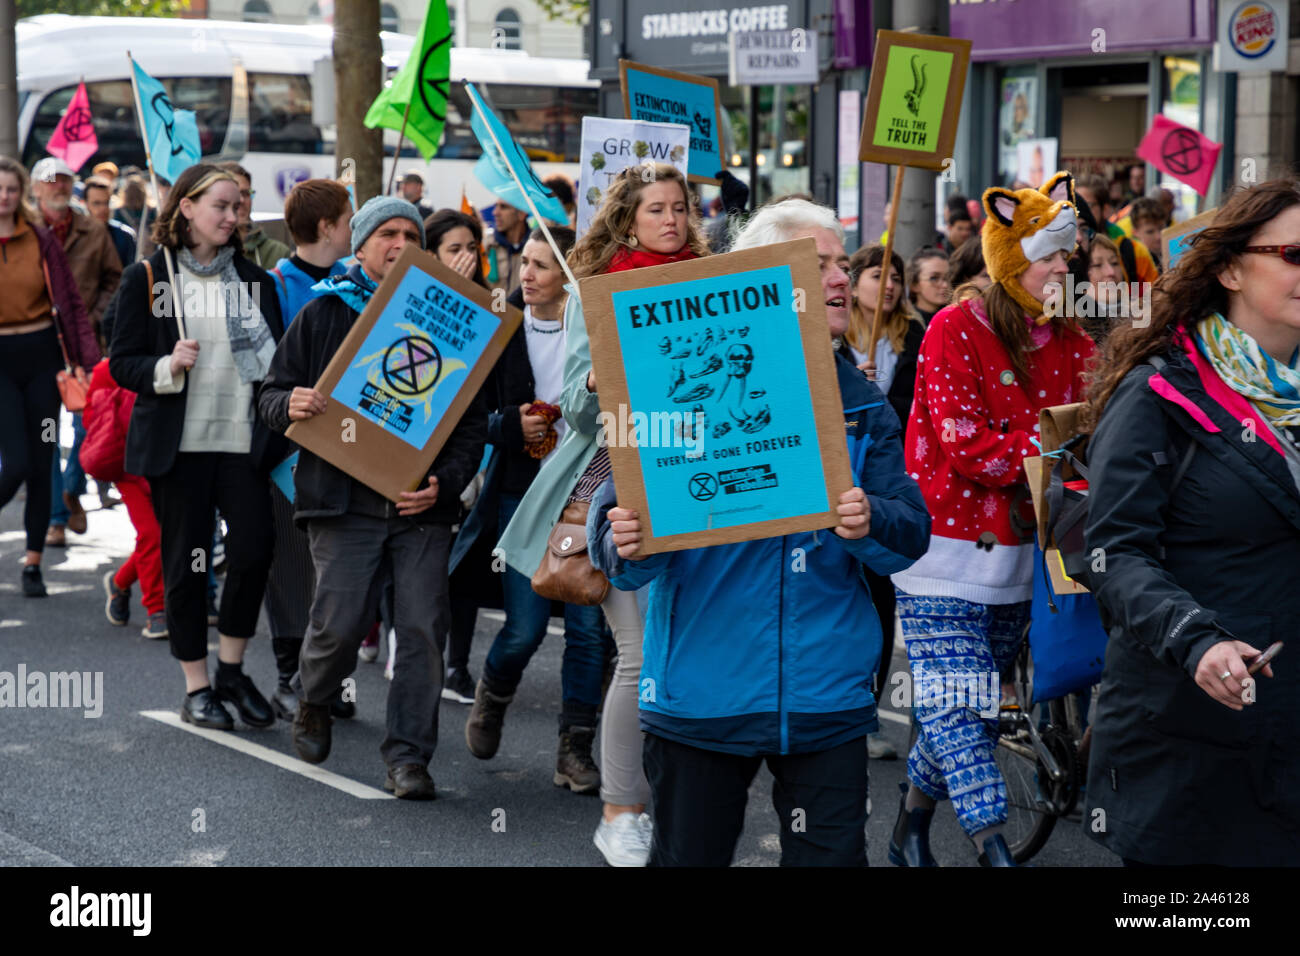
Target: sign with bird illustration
x=914, y=98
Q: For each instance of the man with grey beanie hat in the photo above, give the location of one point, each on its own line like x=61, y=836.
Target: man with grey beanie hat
x=358, y=538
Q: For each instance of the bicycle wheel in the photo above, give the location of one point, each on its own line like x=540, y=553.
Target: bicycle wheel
x=1030, y=816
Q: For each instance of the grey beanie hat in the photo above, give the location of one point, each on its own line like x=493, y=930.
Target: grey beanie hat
x=377, y=211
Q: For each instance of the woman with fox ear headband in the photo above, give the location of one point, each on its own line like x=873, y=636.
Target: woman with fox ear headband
x=987, y=365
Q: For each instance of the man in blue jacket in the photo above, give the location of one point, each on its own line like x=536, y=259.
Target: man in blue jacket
x=765, y=650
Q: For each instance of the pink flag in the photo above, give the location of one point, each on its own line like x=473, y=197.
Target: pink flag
x=1181, y=152
x=74, y=139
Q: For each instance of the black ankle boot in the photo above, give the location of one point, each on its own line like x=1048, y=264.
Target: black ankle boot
x=910, y=844
x=996, y=852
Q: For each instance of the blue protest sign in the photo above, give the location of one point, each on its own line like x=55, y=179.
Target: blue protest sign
x=407, y=371
x=282, y=476
x=417, y=355
x=719, y=398
x=1178, y=238
x=495, y=165
x=666, y=96
x=171, y=135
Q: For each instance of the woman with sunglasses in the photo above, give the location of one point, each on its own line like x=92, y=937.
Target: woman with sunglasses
x=1194, y=514
x=193, y=432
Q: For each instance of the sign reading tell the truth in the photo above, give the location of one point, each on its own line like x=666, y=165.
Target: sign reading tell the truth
x=666, y=96
x=719, y=396
x=914, y=98
x=405, y=373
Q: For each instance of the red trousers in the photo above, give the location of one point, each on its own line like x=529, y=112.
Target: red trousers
x=145, y=562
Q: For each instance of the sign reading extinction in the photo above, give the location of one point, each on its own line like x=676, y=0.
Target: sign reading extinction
x=736, y=431
x=914, y=99
x=666, y=96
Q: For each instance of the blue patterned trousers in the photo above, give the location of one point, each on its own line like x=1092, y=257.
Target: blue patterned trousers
x=956, y=650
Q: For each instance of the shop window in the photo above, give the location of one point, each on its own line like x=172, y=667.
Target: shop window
x=782, y=133
x=507, y=33
x=257, y=11
x=389, y=19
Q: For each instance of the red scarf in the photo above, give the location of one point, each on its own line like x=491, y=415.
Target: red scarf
x=627, y=258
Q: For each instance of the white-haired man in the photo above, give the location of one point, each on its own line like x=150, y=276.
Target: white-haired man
x=767, y=664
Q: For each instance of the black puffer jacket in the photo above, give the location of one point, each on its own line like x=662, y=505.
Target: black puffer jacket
x=323, y=490
x=1181, y=778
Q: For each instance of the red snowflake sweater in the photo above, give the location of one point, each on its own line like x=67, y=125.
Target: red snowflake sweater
x=968, y=434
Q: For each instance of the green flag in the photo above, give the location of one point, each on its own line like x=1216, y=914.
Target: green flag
x=422, y=83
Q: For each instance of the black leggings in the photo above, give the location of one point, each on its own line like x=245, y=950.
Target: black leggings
x=29, y=424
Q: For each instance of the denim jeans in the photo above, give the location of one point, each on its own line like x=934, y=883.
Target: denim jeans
x=71, y=479
x=586, y=641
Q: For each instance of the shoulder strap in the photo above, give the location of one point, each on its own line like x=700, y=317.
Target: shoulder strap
x=1183, y=466
x=54, y=311
x=148, y=272
x=283, y=285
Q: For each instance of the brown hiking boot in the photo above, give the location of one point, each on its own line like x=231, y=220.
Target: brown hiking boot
x=574, y=767
x=486, y=717
x=311, y=731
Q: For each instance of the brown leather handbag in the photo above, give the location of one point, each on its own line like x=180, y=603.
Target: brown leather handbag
x=566, y=573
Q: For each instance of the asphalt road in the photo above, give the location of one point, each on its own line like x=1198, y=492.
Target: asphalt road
x=128, y=789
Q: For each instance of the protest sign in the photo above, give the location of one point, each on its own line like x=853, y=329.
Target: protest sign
x=609, y=146
x=913, y=100
x=405, y=374
x=1181, y=152
x=666, y=96
x=1177, y=239
x=719, y=396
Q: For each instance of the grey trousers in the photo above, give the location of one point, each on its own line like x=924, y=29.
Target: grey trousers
x=622, y=773
x=353, y=556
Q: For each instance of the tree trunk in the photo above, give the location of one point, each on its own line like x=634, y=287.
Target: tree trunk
x=358, y=78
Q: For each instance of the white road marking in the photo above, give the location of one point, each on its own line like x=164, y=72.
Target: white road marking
x=283, y=761
x=16, y=852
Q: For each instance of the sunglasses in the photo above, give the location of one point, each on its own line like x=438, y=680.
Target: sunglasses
x=1289, y=253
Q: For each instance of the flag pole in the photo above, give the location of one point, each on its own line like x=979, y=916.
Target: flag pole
x=885, y=272
x=153, y=176
x=527, y=198
x=397, y=154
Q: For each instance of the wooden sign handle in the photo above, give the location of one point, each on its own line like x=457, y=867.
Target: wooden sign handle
x=884, y=273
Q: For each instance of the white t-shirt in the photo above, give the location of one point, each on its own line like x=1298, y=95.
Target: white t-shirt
x=886, y=363
x=545, y=340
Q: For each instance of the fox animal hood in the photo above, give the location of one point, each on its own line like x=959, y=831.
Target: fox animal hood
x=1026, y=225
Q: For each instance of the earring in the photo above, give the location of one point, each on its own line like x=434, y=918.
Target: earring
x=631, y=241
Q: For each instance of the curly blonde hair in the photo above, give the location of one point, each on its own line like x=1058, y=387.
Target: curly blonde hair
x=617, y=214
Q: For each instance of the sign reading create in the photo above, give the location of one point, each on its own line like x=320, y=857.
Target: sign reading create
x=773, y=57
x=405, y=374
x=609, y=146
x=666, y=96
x=1252, y=36
x=913, y=100
x=719, y=397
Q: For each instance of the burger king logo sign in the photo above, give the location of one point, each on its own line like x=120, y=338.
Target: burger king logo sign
x=1252, y=36
x=1253, y=29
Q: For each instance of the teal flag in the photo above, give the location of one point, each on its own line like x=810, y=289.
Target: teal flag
x=170, y=135
x=494, y=168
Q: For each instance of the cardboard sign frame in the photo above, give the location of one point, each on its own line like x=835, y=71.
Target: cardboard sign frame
x=886, y=40
x=708, y=81
x=1180, y=229
x=378, y=458
x=828, y=409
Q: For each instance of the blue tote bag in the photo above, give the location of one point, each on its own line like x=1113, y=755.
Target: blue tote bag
x=1068, y=646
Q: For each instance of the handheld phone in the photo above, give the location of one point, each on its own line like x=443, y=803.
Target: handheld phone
x=1258, y=663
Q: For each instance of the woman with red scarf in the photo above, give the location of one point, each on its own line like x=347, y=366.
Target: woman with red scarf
x=643, y=221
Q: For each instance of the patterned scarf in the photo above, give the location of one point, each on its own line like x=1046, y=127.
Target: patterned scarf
x=1247, y=369
x=354, y=287
x=251, y=342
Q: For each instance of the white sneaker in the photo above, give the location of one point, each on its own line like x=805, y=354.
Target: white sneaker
x=626, y=841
